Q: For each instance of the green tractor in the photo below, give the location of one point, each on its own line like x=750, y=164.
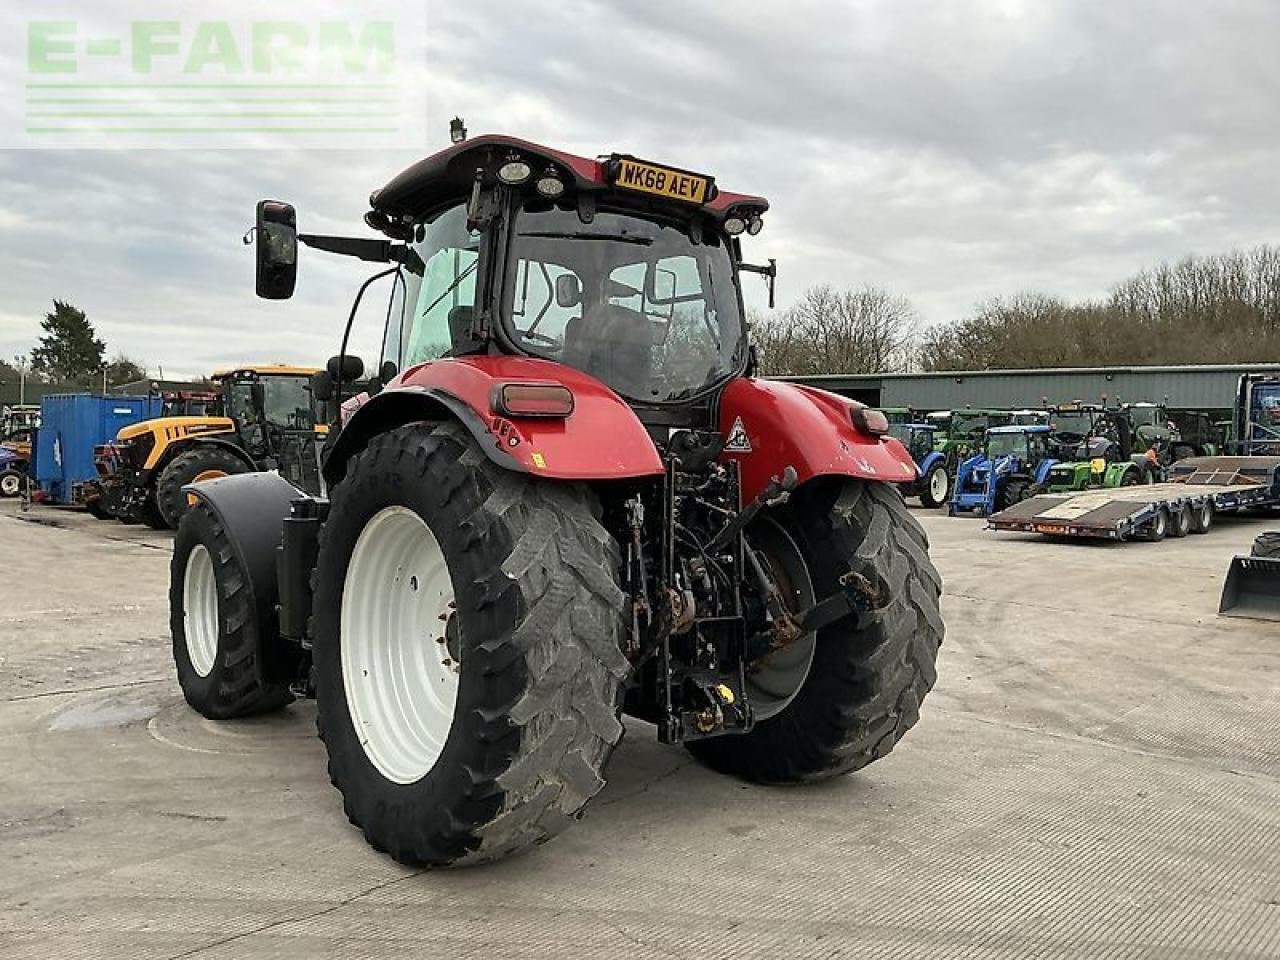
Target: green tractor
x=958, y=433
x=1095, y=447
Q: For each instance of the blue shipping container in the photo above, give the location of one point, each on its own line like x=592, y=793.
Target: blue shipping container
x=71, y=425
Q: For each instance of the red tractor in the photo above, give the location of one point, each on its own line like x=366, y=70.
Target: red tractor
x=564, y=497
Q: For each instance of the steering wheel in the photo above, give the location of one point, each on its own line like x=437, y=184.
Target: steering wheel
x=534, y=335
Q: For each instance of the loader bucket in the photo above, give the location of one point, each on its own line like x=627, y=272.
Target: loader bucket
x=1252, y=589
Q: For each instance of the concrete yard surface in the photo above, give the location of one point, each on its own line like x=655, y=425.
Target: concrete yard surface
x=1097, y=774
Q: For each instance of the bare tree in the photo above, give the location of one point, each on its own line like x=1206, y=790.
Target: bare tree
x=1218, y=309
x=839, y=331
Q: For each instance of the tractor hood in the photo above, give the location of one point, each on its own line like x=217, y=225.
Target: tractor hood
x=175, y=427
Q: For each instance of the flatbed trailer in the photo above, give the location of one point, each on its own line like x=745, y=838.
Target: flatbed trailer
x=1201, y=486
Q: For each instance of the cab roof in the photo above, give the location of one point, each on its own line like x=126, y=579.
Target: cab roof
x=1022, y=428
x=448, y=176
x=266, y=370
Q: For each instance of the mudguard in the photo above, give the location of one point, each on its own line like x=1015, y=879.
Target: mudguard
x=1042, y=471
x=251, y=508
x=602, y=439
x=769, y=425
x=1116, y=473
x=930, y=461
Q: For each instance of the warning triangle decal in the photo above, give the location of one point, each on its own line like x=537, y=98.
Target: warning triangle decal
x=738, y=441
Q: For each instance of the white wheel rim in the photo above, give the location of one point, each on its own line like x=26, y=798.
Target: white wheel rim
x=200, y=610
x=9, y=485
x=938, y=485
x=400, y=678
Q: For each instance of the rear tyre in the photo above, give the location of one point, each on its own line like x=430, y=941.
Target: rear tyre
x=1180, y=521
x=218, y=644
x=937, y=487
x=1202, y=517
x=98, y=511
x=871, y=670
x=149, y=513
x=10, y=483
x=204, y=460
x=500, y=593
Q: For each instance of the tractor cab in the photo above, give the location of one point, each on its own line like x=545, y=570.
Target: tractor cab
x=17, y=425
x=1153, y=429
x=1094, y=445
x=1255, y=428
x=918, y=438
x=1012, y=463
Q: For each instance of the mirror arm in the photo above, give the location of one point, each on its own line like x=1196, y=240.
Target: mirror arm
x=770, y=274
x=373, y=251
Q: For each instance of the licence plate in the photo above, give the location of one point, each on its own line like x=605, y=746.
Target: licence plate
x=661, y=181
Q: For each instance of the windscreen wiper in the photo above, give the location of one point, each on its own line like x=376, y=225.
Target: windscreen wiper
x=615, y=237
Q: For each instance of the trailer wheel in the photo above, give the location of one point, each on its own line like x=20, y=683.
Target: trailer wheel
x=1157, y=526
x=468, y=649
x=870, y=670
x=937, y=487
x=1202, y=517
x=1180, y=521
x=204, y=461
x=10, y=483
x=217, y=640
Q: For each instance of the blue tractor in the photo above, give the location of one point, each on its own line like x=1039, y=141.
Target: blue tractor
x=1014, y=461
x=933, y=480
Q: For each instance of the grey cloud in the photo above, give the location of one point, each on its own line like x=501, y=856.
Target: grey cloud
x=947, y=151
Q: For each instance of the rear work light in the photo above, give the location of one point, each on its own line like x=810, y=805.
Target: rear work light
x=870, y=421
x=533, y=400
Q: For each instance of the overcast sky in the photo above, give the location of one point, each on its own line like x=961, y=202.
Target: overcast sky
x=947, y=151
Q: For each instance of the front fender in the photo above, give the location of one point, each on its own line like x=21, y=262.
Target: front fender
x=769, y=425
x=930, y=461
x=1116, y=473
x=602, y=439
x=1042, y=471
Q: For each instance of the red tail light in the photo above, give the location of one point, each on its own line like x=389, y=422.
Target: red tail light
x=870, y=421
x=533, y=400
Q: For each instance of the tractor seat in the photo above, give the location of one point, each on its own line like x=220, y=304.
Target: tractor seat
x=613, y=344
x=459, y=321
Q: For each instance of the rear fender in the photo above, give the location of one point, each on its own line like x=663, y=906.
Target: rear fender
x=769, y=425
x=602, y=439
x=252, y=507
x=177, y=447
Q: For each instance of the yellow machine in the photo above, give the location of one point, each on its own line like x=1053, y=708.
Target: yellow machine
x=265, y=420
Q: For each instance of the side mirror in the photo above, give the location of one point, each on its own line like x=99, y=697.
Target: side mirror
x=346, y=368
x=568, y=290
x=387, y=372
x=322, y=386
x=276, y=233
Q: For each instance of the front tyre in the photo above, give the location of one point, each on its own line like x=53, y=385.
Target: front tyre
x=219, y=647
x=871, y=670
x=204, y=461
x=467, y=652
x=10, y=483
x=937, y=487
